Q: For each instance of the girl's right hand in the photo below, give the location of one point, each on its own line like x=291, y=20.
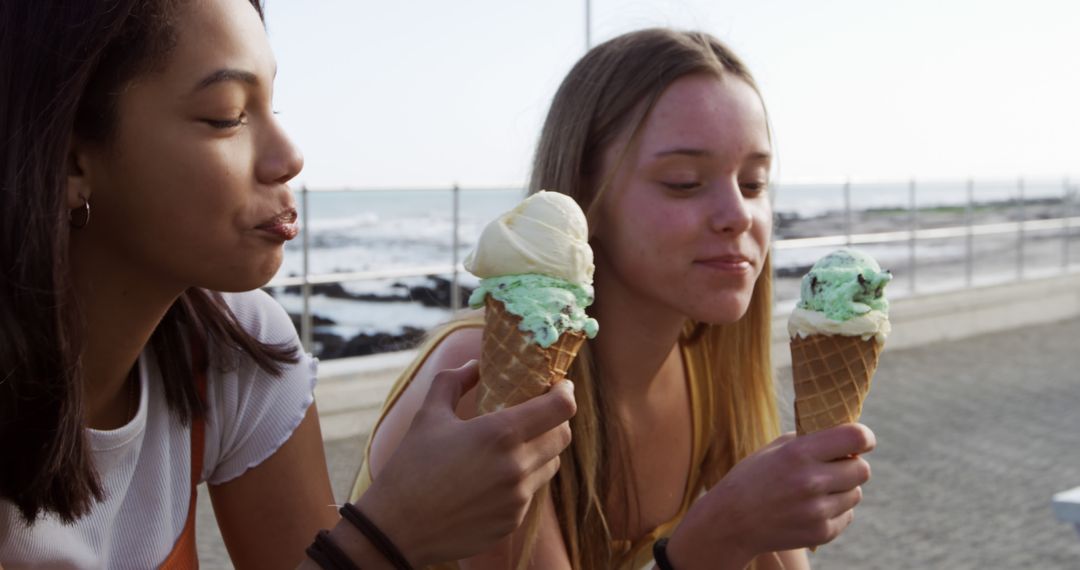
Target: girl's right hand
x=793, y=493
x=454, y=488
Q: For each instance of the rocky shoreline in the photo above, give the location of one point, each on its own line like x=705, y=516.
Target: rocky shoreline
x=437, y=292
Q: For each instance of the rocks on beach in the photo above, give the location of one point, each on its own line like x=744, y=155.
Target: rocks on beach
x=437, y=292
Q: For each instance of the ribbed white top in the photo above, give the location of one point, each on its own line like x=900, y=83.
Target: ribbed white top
x=145, y=465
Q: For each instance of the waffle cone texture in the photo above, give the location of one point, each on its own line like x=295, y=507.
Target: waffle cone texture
x=832, y=376
x=513, y=368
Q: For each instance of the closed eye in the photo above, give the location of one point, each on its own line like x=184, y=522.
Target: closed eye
x=682, y=186
x=224, y=124
x=754, y=188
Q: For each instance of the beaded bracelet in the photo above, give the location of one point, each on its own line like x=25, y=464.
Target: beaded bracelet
x=379, y=540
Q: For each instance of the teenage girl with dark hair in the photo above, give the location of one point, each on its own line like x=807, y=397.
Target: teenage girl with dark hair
x=143, y=196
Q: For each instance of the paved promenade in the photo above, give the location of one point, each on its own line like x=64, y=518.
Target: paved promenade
x=974, y=436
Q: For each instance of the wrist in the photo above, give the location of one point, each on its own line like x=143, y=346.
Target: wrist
x=697, y=548
x=390, y=520
x=358, y=548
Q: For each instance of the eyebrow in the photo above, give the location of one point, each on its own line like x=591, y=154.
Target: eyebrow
x=683, y=151
x=698, y=152
x=223, y=75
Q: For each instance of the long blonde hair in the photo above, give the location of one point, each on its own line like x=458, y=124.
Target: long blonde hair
x=609, y=92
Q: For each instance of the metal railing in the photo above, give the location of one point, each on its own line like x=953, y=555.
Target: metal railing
x=1022, y=228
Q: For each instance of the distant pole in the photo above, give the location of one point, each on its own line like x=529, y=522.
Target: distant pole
x=588, y=25
x=455, y=288
x=847, y=212
x=969, y=215
x=305, y=316
x=914, y=219
x=1020, y=230
x=1067, y=226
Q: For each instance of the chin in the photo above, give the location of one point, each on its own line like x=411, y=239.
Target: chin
x=723, y=311
x=238, y=281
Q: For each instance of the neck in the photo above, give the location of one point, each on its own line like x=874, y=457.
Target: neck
x=121, y=310
x=637, y=349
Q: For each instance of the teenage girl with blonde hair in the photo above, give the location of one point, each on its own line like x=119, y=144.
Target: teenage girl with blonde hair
x=662, y=138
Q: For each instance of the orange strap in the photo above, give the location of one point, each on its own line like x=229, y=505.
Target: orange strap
x=184, y=554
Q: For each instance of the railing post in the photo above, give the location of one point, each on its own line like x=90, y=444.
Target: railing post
x=1020, y=231
x=912, y=261
x=1066, y=227
x=305, y=316
x=588, y=25
x=847, y=212
x=969, y=266
x=455, y=287
x=774, y=189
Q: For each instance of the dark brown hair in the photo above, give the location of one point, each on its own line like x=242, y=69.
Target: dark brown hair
x=61, y=67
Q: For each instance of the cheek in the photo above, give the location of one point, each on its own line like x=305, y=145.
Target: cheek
x=763, y=225
x=189, y=189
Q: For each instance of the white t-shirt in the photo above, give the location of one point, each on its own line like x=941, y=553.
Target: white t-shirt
x=145, y=466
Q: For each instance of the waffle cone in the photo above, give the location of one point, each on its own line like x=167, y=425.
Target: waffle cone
x=513, y=368
x=832, y=376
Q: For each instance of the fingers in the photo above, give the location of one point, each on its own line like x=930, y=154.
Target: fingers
x=837, y=504
x=541, y=476
x=449, y=385
x=789, y=436
x=547, y=446
x=839, y=509
x=542, y=413
x=840, y=442
x=845, y=474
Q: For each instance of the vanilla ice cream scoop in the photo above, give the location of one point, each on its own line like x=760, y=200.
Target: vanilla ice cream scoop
x=546, y=234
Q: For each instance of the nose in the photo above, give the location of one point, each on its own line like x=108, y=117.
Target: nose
x=279, y=159
x=729, y=213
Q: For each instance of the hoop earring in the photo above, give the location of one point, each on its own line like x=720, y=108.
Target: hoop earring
x=79, y=217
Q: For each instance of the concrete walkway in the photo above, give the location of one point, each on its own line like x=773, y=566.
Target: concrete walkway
x=974, y=437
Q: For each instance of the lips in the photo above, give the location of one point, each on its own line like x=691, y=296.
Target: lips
x=282, y=226
x=733, y=263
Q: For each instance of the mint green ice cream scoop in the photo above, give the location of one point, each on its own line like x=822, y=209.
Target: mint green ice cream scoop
x=548, y=306
x=844, y=284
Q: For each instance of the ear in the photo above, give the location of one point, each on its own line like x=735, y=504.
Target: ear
x=78, y=183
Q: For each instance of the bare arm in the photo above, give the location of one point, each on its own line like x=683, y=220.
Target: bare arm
x=786, y=560
x=548, y=552
x=270, y=514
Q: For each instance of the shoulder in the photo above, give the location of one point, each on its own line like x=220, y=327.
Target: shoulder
x=254, y=409
x=261, y=316
x=450, y=350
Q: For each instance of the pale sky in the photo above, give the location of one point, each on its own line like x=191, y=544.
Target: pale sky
x=408, y=94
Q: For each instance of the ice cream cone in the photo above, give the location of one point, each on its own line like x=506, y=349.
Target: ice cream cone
x=832, y=376
x=513, y=368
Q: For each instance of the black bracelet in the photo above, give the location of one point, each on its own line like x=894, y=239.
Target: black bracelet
x=328, y=555
x=379, y=540
x=659, y=552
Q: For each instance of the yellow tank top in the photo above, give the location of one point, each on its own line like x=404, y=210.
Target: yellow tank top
x=630, y=554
